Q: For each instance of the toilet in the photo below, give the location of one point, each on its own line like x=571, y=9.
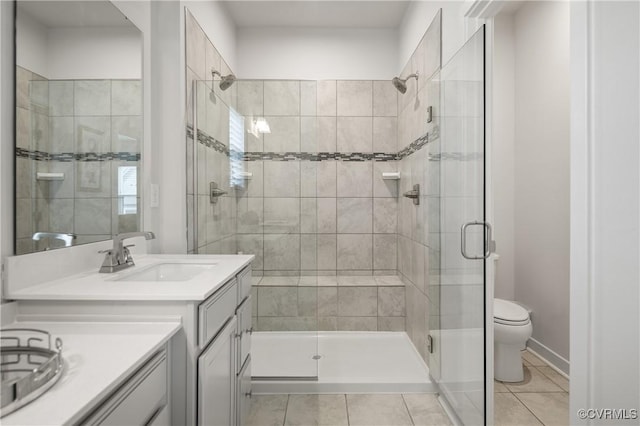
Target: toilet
x=512, y=328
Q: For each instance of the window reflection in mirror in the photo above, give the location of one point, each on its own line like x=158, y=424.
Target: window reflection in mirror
x=79, y=123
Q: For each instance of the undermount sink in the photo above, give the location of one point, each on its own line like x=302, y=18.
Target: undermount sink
x=168, y=272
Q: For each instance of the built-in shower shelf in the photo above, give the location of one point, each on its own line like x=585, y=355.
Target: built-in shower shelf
x=49, y=176
x=245, y=175
x=391, y=175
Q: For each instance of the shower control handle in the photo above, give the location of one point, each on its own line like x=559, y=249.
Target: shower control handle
x=215, y=192
x=414, y=194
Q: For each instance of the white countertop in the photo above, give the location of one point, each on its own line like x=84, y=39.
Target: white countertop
x=97, y=357
x=92, y=285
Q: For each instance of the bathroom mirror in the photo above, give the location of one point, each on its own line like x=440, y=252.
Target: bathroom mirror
x=79, y=124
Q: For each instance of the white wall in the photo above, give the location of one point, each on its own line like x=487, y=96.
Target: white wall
x=219, y=27
x=317, y=53
x=416, y=21
x=139, y=13
x=542, y=112
x=32, y=45
x=502, y=161
x=605, y=207
x=94, y=53
x=78, y=52
x=167, y=154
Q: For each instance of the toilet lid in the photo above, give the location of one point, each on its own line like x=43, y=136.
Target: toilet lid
x=506, y=311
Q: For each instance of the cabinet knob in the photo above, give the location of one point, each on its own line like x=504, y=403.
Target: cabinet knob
x=250, y=330
x=248, y=394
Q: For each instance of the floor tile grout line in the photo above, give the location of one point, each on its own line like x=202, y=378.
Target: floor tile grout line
x=286, y=409
x=413, y=422
x=528, y=409
x=549, y=377
x=346, y=404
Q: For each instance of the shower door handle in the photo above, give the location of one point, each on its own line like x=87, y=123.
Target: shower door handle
x=489, y=244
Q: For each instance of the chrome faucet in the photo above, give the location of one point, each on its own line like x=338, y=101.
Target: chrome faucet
x=119, y=257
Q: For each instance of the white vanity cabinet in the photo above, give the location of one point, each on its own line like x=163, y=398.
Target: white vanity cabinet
x=243, y=394
x=245, y=330
x=210, y=371
x=224, y=370
x=141, y=400
x=243, y=358
x=217, y=379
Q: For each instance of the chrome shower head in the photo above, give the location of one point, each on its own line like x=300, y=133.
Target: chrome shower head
x=225, y=80
x=401, y=83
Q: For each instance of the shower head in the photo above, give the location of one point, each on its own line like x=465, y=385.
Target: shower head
x=401, y=83
x=225, y=80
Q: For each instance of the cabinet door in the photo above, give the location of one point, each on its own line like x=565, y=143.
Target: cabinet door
x=216, y=379
x=244, y=392
x=244, y=330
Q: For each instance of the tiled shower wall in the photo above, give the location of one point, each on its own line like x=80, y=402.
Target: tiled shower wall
x=329, y=303
x=418, y=225
x=212, y=229
x=316, y=203
x=84, y=129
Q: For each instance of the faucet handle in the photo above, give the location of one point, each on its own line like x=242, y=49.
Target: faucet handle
x=107, y=251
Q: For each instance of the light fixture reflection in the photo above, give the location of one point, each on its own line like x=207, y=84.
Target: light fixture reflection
x=262, y=126
x=258, y=126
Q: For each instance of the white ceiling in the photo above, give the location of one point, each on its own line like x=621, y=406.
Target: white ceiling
x=317, y=13
x=56, y=14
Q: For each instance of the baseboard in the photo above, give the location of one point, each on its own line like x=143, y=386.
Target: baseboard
x=555, y=361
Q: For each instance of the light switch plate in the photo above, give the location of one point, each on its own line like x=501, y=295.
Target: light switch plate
x=154, y=195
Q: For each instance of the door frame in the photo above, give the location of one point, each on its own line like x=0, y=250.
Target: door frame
x=477, y=13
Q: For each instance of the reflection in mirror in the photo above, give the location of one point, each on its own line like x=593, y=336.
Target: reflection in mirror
x=78, y=123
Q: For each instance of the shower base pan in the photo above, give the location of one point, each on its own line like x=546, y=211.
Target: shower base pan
x=337, y=362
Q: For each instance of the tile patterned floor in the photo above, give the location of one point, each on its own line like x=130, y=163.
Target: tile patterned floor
x=352, y=409
x=542, y=398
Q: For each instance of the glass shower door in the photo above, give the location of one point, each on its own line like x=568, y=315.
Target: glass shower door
x=465, y=236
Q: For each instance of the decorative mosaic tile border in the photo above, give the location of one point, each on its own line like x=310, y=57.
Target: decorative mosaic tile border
x=220, y=147
x=318, y=156
x=457, y=156
x=211, y=142
x=65, y=157
x=419, y=143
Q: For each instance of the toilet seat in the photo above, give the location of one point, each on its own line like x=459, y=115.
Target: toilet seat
x=509, y=313
x=511, y=323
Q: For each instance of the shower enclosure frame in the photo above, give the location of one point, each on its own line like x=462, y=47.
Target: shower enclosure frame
x=488, y=295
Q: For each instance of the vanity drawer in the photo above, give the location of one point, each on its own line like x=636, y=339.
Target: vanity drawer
x=214, y=312
x=139, y=401
x=244, y=283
